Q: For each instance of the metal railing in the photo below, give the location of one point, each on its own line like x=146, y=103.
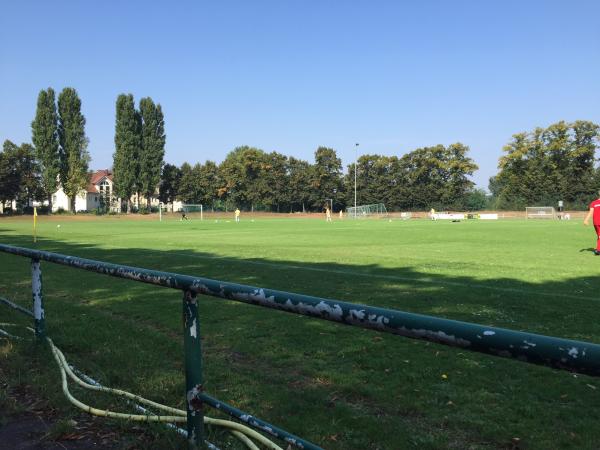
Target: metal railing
x=565, y=354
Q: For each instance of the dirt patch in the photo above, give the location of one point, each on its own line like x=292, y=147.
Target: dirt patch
x=37, y=426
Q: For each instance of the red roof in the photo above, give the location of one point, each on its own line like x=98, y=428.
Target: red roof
x=96, y=177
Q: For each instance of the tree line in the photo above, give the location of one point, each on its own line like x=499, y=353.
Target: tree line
x=59, y=151
x=537, y=168
x=59, y=156
x=253, y=179
x=541, y=167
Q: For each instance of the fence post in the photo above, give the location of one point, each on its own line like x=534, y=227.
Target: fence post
x=193, y=369
x=38, y=301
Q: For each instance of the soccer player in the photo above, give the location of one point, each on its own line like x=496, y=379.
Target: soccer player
x=237, y=214
x=327, y=214
x=432, y=214
x=184, y=215
x=595, y=212
x=341, y=214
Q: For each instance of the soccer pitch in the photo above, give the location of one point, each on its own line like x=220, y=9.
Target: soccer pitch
x=337, y=386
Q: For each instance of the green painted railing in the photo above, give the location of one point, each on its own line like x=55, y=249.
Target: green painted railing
x=566, y=354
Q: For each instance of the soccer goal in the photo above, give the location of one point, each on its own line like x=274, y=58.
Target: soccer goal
x=365, y=211
x=162, y=209
x=540, y=212
x=190, y=208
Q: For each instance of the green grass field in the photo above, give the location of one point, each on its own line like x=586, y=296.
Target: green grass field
x=340, y=387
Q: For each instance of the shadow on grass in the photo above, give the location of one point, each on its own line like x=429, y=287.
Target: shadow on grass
x=353, y=379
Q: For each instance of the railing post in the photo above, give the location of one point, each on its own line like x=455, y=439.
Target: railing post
x=193, y=370
x=38, y=300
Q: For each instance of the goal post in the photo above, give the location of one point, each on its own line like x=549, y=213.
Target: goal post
x=192, y=208
x=365, y=211
x=540, y=212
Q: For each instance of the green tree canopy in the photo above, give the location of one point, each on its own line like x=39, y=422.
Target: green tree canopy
x=153, y=147
x=128, y=142
x=44, y=135
x=73, y=144
x=327, y=179
x=188, y=186
x=19, y=174
x=169, y=183
x=546, y=165
x=299, y=184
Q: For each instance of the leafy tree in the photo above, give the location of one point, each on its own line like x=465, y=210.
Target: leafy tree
x=459, y=168
x=425, y=177
x=273, y=183
x=188, y=187
x=240, y=174
x=377, y=181
x=476, y=200
x=9, y=172
x=299, y=184
x=581, y=171
x=207, y=179
x=153, y=147
x=128, y=142
x=327, y=179
x=73, y=144
x=547, y=165
x=44, y=131
x=19, y=174
x=30, y=187
x=169, y=183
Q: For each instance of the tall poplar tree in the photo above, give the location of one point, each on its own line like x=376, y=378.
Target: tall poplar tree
x=73, y=144
x=44, y=135
x=128, y=142
x=153, y=147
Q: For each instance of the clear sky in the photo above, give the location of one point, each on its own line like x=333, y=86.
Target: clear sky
x=292, y=75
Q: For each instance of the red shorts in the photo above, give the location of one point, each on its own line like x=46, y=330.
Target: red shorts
x=597, y=228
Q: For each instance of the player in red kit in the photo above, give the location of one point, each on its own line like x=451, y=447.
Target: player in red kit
x=595, y=212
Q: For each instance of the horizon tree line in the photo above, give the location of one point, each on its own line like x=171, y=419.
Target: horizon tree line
x=253, y=179
x=59, y=158
x=538, y=167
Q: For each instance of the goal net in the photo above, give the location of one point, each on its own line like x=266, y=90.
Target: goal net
x=540, y=212
x=188, y=208
x=364, y=211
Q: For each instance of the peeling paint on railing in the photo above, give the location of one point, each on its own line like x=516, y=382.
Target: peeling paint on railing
x=576, y=356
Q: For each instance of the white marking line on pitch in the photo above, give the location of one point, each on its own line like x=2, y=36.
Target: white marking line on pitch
x=387, y=277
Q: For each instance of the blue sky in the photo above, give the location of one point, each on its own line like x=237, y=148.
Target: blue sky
x=292, y=75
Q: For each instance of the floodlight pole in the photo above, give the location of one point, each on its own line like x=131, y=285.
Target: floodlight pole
x=355, y=170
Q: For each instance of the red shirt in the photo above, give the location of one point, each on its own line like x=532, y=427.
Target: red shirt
x=595, y=205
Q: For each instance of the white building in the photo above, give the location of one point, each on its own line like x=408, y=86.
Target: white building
x=98, y=193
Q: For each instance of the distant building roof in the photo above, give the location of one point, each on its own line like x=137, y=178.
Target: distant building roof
x=96, y=177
